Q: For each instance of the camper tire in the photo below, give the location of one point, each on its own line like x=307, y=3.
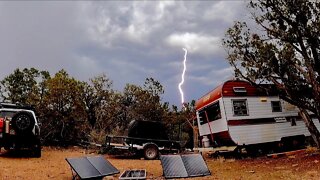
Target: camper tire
x=293, y=142
x=150, y=151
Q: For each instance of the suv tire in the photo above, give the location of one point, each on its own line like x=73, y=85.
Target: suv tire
x=23, y=122
x=37, y=149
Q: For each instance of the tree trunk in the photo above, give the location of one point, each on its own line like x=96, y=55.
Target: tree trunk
x=315, y=134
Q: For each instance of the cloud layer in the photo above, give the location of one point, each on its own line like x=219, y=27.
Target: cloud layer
x=129, y=41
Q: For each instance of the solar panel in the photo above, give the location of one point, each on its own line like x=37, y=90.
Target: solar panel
x=195, y=165
x=91, y=167
x=183, y=166
x=173, y=166
x=83, y=168
x=133, y=174
x=103, y=166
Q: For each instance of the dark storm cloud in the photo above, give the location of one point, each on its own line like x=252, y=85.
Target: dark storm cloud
x=129, y=41
x=37, y=35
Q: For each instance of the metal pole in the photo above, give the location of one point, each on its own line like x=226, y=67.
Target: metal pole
x=209, y=126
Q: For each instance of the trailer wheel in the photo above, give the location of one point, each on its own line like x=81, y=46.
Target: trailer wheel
x=150, y=152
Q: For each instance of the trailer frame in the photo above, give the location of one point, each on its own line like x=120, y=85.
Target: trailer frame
x=148, y=148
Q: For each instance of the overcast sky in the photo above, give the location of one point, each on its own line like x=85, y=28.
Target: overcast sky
x=127, y=40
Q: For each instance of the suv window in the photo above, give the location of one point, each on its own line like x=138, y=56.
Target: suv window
x=9, y=114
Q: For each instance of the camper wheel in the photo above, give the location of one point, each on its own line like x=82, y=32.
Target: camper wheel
x=253, y=150
x=150, y=151
x=292, y=143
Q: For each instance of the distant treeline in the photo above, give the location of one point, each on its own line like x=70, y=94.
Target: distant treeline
x=70, y=110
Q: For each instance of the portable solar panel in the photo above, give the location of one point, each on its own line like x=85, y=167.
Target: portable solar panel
x=183, y=166
x=133, y=174
x=91, y=167
x=102, y=165
x=195, y=165
x=173, y=166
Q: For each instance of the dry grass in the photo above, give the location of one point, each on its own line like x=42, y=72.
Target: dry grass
x=52, y=165
x=311, y=150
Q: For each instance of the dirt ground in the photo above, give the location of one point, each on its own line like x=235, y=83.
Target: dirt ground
x=52, y=165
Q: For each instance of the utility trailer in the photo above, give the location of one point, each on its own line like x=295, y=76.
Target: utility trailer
x=145, y=138
x=238, y=114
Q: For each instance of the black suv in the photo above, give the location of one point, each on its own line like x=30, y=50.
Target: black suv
x=19, y=128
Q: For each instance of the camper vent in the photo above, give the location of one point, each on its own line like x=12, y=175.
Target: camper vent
x=280, y=119
x=239, y=89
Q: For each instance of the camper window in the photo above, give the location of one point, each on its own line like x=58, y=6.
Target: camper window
x=202, y=117
x=276, y=106
x=213, y=113
x=240, y=107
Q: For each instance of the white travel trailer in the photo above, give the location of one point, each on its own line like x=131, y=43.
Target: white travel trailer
x=237, y=113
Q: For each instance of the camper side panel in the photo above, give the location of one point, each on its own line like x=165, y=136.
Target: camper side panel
x=257, y=108
x=255, y=134
x=253, y=120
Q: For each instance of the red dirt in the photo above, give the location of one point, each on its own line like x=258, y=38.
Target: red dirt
x=52, y=165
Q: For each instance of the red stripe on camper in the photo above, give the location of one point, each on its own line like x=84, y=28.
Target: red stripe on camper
x=210, y=97
x=259, y=121
x=222, y=139
x=250, y=121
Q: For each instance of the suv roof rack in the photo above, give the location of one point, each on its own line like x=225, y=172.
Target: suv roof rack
x=16, y=106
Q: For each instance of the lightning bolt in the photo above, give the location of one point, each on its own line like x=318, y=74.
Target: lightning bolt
x=182, y=75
